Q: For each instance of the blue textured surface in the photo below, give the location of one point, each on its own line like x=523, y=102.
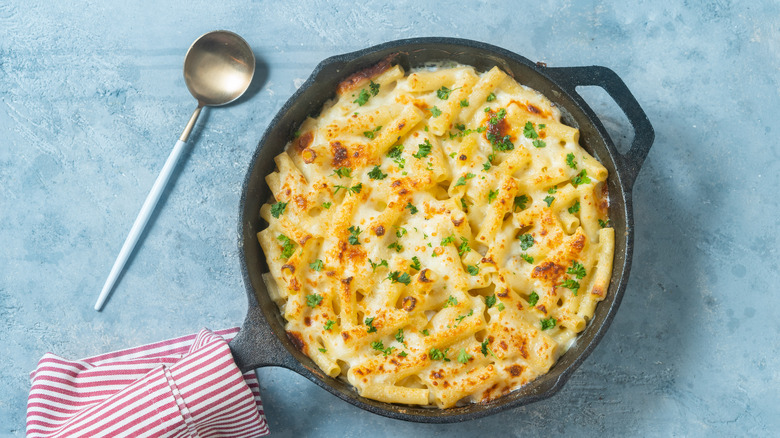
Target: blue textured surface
x=92, y=99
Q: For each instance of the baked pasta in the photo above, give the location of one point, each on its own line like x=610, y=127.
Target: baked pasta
x=436, y=237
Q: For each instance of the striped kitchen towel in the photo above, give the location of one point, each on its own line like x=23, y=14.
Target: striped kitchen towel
x=183, y=387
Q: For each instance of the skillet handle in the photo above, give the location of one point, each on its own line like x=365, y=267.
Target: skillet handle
x=571, y=77
x=256, y=346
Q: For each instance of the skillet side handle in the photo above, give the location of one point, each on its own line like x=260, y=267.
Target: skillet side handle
x=256, y=346
x=571, y=77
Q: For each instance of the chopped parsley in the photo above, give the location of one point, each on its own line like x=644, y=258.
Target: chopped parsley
x=549, y=200
x=464, y=246
x=527, y=258
x=370, y=323
x=354, y=233
x=317, y=265
x=425, y=332
x=371, y=134
x=436, y=354
x=435, y=112
x=520, y=202
x=399, y=336
x=313, y=300
x=500, y=307
x=424, y=149
x=472, y=269
x=400, y=232
x=547, y=323
x=277, y=209
x=397, y=277
x=324, y=350
x=463, y=357
x=350, y=190
x=326, y=205
x=329, y=324
x=529, y=131
x=380, y=346
x=491, y=97
x=376, y=173
x=539, y=143
x=533, y=298
x=374, y=88
x=574, y=208
x=571, y=161
x=443, y=93
x=395, y=151
x=486, y=349
x=552, y=190
x=464, y=103
x=377, y=265
x=447, y=240
x=571, y=284
x=462, y=180
x=416, y=265
x=288, y=247
x=396, y=246
x=603, y=224
x=577, y=270
x=492, y=196
x=451, y=301
x=526, y=241
x=490, y=301
x=463, y=204
x=486, y=166
x=581, y=178
x=343, y=172
x=363, y=97
x=412, y=208
x=499, y=116
x=402, y=354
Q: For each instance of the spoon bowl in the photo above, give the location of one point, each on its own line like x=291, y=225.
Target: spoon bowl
x=218, y=68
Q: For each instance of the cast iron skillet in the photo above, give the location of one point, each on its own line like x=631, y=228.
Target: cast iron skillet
x=262, y=340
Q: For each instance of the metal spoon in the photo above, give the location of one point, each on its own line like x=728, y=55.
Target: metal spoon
x=218, y=69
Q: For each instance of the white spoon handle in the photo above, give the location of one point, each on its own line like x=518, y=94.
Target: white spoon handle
x=141, y=220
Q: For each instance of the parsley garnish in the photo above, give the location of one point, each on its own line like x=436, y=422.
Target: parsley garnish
x=581, y=178
x=527, y=258
x=277, y=209
x=603, y=224
x=571, y=284
x=399, y=336
x=549, y=200
x=317, y=265
x=372, y=134
x=463, y=357
x=436, y=354
x=539, y=143
x=547, y=323
x=395, y=151
x=492, y=196
x=574, y=208
x=326, y=205
x=486, y=349
x=396, y=246
x=499, y=116
x=464, y=103
x=370, y=324
x=464, y=246
x=500, y=307
x=462, y=180
x=354, y=189
x=355, y=232
x=324, y=350
x=425, y=332
x=520, y=202
x=288, y=247
x=472, y=269
x=526, y=241
x=313, y=300
x=435, y=112
x=362, y=97
x=376, y=265
x=533, y=298
x=490, y=301
x=501, y=144
x=376, y=173
x=425, y=149
x=463, y=204
x=491, y=97
x=329, y=324
x=577, y=270
x=397, y=277
x=529, y=131
x=443, y=93
x=486, y=166
x=447, y=240
x=571, y=161
x=374, y=88
x=400, y=232
x=379, y=345
x=416, y=265
x=451, y=301
x=343, y=172
x=412, y=208
x=402, y=354
x=552, y=189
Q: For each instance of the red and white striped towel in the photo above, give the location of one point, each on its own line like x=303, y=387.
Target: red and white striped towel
x=183, y=387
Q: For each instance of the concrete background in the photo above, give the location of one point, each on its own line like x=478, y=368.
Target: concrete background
x=92, y=100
